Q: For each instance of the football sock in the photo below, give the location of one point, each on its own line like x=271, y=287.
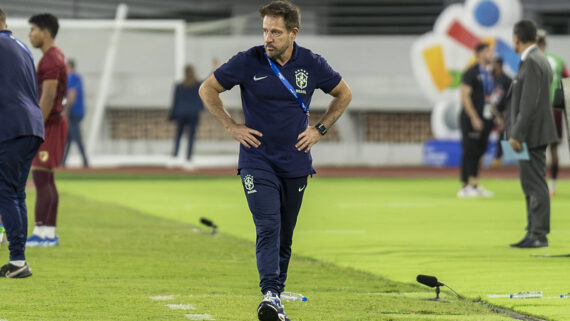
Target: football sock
x=49, y=232
x=52, y=211
x=47, y=198
x=18, y=263
x=39, y=231
x=43, y=195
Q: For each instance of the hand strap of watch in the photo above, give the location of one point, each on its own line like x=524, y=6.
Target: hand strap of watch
x=321, y=128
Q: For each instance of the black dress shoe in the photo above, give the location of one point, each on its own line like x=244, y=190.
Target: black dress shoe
x=534, y=242
x=524, y=240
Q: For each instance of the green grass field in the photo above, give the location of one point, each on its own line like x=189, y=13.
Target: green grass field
x=358, y=247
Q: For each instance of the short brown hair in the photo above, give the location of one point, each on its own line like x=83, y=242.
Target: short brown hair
x=2, y=17
x=283, y=8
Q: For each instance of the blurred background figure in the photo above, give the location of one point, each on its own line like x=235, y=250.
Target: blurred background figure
x=477, y=86
x=75, y=106
x=559, y=71
x=502, y=85
x=186, y=108
x=52, y=89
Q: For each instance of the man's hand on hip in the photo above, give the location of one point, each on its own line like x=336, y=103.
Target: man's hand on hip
x=516, y=145
x=245, y=135
x=307, y=139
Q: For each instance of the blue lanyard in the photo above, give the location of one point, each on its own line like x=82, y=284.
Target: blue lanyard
x=287, y=85
x=9, y=35
x=487, y=79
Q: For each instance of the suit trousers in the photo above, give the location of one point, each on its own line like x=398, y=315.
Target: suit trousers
x=533, y=182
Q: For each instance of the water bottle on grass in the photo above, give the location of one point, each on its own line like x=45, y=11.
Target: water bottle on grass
x=290, y=296
x=527, y=295
x=519, y=295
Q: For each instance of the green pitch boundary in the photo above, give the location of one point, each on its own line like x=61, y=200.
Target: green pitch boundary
x=113, y=259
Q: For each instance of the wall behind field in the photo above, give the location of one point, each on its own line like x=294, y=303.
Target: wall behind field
x=377, y=68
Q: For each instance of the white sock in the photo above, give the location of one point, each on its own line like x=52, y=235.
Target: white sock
x=18, y=263
x=49, y=232
x=39, y=231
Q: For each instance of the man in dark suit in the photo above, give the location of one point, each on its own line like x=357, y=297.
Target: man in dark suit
x=531, y=121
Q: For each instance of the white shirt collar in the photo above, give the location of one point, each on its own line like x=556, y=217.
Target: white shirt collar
x=526, y=52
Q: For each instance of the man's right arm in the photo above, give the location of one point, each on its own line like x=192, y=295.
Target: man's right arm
x=49, y=92
x=210, y=93
x=469, y=108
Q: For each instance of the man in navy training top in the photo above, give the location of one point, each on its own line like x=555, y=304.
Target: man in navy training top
x=21, y=134
x=75, y=106
x=276, y=140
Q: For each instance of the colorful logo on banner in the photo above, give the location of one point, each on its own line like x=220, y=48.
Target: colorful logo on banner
x=439, y=57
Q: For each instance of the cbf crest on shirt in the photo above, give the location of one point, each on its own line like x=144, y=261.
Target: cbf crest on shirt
x=271, y=109
x=301, y=79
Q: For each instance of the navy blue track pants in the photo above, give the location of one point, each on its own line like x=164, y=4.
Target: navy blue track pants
x=274, y=203
x=16, y=157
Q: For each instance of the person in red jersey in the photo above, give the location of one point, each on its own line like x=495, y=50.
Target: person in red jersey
x=52, y=86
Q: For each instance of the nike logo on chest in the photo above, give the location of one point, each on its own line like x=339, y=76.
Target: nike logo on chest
x=255, y=78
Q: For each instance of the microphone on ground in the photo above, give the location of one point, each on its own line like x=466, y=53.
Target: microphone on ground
x=432, y=282
x=209, y=223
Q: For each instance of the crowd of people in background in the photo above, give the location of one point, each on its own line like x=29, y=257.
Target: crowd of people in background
x=484, y=100
x=521, y=110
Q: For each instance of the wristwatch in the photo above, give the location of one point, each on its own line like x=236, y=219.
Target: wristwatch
x=321, y=128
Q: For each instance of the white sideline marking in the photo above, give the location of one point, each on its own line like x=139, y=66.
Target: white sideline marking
x=162, y=297
x=199, y=317
x=181, y=306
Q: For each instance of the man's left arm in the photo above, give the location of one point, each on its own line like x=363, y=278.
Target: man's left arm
x=341, y=98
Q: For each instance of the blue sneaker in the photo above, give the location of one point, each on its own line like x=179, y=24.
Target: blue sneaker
x=35, y=241
x=271, y=309
x=51, y=242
